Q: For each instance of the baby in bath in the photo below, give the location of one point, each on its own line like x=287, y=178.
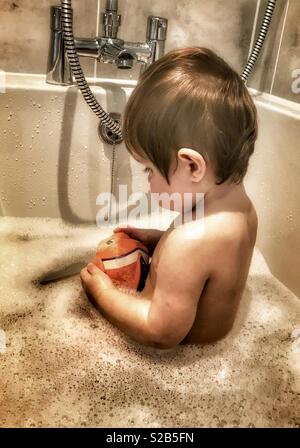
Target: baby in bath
x=192, y=123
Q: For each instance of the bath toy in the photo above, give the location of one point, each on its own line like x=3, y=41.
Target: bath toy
x=124, y=259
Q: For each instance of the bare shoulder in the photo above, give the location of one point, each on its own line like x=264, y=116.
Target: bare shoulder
x=189, y=247
x=183, y=248
x=208, y=238
x=233, y=226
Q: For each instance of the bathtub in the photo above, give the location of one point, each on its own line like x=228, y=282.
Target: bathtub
x=273, y=183
x=62, y=363
x=53, y=163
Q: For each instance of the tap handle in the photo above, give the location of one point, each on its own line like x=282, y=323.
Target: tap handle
x=157, y=28
x=111, y=20
x=112, y=5
x=55, y=14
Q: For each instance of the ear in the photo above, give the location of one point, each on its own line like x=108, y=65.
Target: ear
x=194, y=162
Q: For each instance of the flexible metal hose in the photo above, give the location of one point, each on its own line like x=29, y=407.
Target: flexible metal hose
x=67, y=27
x=106, y=120
x=260, y=39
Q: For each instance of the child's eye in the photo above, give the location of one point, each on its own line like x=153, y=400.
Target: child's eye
x=148, y=170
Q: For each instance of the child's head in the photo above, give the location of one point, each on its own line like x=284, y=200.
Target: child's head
x=192, y=121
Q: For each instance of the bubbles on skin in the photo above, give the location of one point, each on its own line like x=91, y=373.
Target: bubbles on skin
x=62, y=352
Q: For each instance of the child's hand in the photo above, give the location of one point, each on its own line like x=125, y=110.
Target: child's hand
x=94, y=282
x=149, y=237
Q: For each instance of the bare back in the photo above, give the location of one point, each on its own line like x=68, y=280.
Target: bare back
x=231, y=231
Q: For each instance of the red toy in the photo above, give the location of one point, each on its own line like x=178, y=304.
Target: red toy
x=124, y=260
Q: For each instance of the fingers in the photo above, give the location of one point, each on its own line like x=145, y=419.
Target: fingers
x=129, y=230
x=92, y=269
x=120, y=229
x=85, y=276
x=95, y=271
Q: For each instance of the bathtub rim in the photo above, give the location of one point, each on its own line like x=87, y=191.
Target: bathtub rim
x=29, y=81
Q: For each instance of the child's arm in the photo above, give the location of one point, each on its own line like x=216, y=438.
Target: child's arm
x=181, y=276
x=165, y=319
x=127, y=312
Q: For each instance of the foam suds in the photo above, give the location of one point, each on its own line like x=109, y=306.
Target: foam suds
x=62, y=364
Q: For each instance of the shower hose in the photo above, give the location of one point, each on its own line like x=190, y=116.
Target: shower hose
x=105, y=118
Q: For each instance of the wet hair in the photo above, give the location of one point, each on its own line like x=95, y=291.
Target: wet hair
x=191, y=98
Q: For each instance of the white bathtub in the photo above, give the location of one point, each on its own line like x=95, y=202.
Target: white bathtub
x=52, y=161
x=54, y=164
x=53, y=341
x=273, y=182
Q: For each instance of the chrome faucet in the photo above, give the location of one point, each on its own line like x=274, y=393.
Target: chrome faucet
x=108, y=49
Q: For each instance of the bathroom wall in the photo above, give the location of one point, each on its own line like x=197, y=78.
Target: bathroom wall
x=279, y=62
x=228, y=27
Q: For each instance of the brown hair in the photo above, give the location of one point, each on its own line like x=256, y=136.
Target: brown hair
x=191, y=98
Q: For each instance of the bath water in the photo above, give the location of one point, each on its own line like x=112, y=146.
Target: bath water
x=62, y=364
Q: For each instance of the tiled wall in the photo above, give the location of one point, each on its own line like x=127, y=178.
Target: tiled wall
x=226, y=26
